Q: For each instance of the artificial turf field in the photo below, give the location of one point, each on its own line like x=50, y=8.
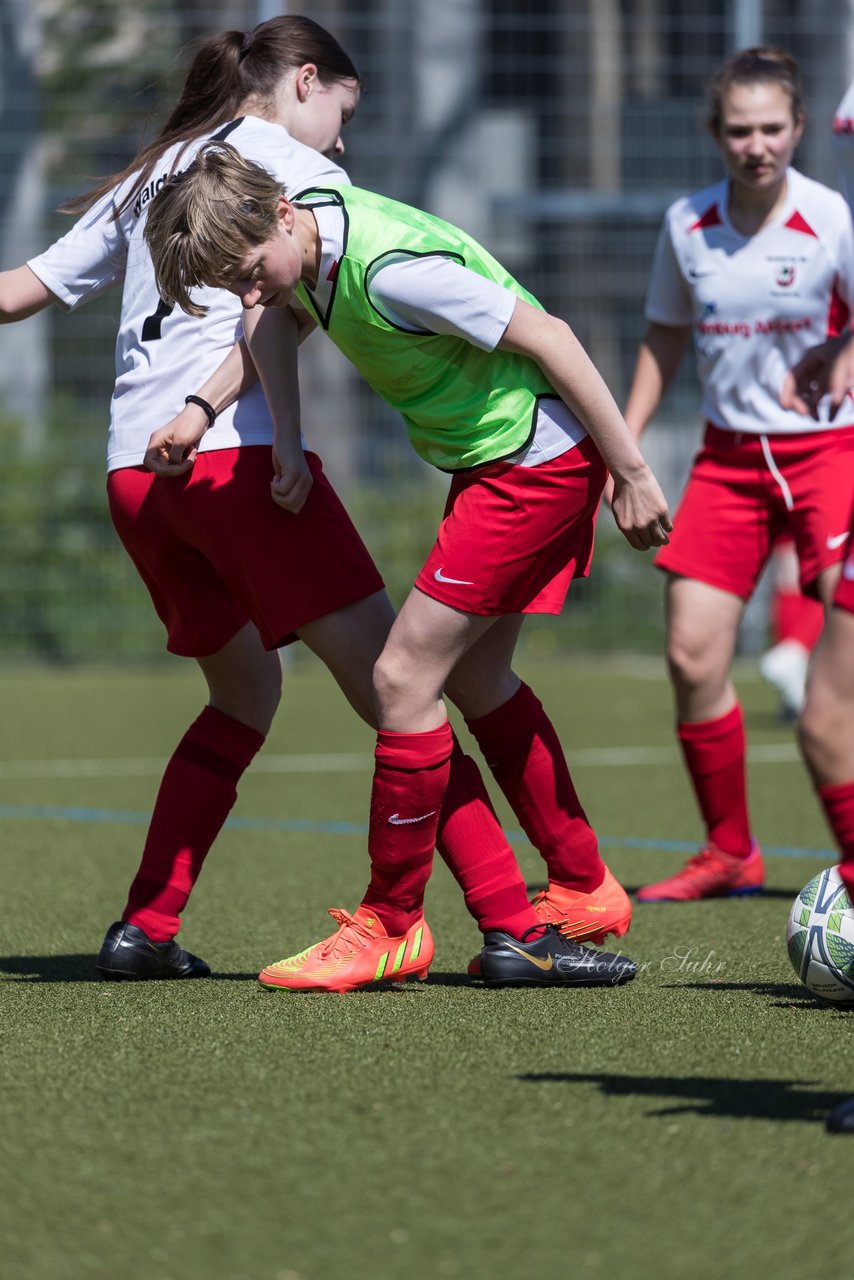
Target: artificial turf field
x=215, y=1131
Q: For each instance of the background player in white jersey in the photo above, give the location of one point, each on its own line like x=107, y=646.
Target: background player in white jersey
x=758, y=268
x=231, y=575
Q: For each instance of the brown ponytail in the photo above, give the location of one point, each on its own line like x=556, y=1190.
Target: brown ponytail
x=228, y=68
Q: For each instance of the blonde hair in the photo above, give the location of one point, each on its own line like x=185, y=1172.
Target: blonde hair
x=206, y=219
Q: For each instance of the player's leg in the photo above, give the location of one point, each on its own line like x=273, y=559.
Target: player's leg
x=520, y=743
x=348, y=642
x=387, y=937
x=196, y=795
x=469, y=835
x=702, y=624
x=796, y=621
x=826, y=731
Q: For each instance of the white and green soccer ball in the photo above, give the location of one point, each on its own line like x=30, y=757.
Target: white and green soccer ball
x=820, y=938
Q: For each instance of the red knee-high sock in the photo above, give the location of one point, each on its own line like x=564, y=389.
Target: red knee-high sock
x=196, y=795
x=714, y=752
x=838, y=804
x=796, y=617
x=410, y=777
x=522, y=749
x=476, y=851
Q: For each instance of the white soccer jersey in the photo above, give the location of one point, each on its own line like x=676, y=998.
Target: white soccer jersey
x=162, y=354
x=756, y=303
x=843, y=142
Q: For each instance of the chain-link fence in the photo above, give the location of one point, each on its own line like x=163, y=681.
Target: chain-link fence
x=556, y=131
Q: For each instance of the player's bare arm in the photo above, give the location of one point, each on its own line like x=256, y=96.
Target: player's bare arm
x=273, y=335
x=659, y=355
x=22, y=294
x=640, y=509
x=172, y=448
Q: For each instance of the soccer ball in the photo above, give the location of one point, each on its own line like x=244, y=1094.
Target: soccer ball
x=820, y=938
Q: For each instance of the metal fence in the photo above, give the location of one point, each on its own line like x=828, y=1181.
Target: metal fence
x=556, y=131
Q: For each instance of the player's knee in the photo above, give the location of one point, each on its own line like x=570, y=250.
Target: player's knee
x=392, y=675
x=402, y=683
x=691, y=662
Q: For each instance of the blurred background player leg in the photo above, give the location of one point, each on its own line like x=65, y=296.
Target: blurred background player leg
x=796, y=621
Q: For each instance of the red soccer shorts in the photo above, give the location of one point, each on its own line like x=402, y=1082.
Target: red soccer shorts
x=743, y=493
x=216, y=552
x=513, y=538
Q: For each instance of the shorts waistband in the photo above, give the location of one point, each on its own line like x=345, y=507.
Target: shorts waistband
x=719, y=438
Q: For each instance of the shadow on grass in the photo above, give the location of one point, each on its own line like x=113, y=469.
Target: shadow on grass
x=710, y=1095
x=75, y=968
x=791, y=994
x=81, y=968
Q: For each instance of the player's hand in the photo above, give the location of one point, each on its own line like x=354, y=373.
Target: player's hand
x=640, y=511
x=825, y=370
x=172, y=449
x=292, y=482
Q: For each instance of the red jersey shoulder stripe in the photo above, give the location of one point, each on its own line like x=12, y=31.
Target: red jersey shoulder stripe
x=798, y=223
x=711, y=218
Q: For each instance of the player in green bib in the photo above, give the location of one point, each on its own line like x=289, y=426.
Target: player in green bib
x=499, y=393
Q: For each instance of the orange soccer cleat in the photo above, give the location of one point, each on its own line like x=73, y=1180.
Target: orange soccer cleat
x=586, y=917
x=711, y=873
x=360, y=954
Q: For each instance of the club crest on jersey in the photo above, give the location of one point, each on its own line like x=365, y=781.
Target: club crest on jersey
x=785, y=276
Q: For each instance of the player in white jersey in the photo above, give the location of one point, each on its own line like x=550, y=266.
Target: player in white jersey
x=757, y=269
x=232, y=575
x=232, y=578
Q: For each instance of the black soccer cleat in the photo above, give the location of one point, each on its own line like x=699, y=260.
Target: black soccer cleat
x=841, y=1118
x=129, y=955
x=549, y=959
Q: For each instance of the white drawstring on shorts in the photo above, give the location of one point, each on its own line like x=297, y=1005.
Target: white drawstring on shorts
x=777, y=474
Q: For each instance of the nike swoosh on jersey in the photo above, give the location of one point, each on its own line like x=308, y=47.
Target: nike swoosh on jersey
x=837, y=541
x=460, y=582
x=545, y=965
x=396, y=821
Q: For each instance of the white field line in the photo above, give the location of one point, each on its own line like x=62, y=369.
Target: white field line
x=362, y=762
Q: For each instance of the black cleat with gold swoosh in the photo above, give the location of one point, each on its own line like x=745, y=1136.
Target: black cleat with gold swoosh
x=545, y=958
x=129, y=955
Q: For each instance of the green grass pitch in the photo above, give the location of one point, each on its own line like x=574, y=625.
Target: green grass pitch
x=214, y=1131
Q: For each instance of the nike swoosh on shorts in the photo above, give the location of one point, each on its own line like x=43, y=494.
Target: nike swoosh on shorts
x=460, y=582
x=837, y=541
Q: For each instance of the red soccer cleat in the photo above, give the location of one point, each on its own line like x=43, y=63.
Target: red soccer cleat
x=711, y=873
